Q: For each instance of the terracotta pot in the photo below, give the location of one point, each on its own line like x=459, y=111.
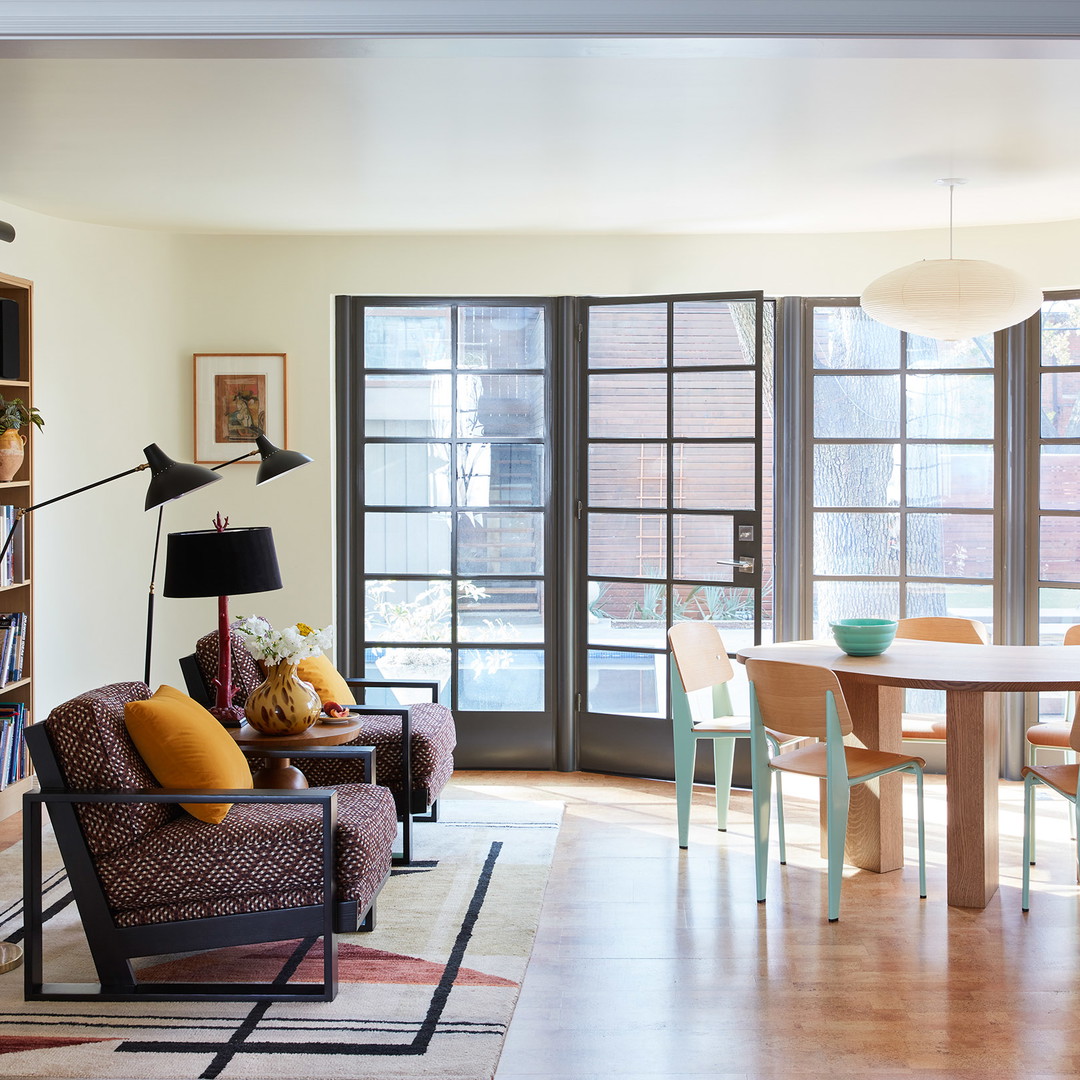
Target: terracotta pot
x=284, y=704
x=12, y=452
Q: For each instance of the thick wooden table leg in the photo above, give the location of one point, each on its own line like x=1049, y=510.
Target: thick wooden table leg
x=279, y=772
x=971, y=768
x=875, y=836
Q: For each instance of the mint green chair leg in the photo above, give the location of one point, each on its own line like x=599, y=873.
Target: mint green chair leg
x=723, y=762
x=1029, y=813
x=838, y=794
x=1075, y=817
x=685, y=745
x=761, y=794
x=922, y=832
x=774, y=746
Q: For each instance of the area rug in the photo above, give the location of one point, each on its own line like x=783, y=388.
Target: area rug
x=428, y=994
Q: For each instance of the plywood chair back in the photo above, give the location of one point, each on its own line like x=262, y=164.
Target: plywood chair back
x=700, y=655
x=943, y=628
x=792, y=697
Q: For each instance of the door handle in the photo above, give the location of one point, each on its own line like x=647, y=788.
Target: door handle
x=743, y=565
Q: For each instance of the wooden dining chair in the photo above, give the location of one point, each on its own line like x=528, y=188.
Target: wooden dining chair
x=808, y=702
x=930, y=727
x=701, y=709
x=1055, y=734
x=1060, y=779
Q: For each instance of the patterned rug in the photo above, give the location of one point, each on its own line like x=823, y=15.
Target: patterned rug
x=428, y=994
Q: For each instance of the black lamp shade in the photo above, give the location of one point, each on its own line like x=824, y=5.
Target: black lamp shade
x=276, y=461
x=170, y=479
x=212, y=563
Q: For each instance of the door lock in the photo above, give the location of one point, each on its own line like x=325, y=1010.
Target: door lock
x=743, y=565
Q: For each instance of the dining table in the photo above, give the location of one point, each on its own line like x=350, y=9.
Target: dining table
x=973, y=678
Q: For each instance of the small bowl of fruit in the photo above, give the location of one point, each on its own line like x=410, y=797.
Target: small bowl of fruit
x=333, y=713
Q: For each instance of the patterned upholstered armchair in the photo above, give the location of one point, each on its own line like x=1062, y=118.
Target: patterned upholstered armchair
x=151, y=879
x=423, y=735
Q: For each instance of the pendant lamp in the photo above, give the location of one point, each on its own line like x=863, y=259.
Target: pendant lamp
x=951, y=298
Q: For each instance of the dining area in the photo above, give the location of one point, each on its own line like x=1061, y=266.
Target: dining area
x=855, y=685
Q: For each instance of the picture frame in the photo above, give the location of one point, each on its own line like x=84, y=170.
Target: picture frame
x=238, y=396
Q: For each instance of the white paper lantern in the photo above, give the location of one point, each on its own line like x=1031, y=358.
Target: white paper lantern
x=951, y=298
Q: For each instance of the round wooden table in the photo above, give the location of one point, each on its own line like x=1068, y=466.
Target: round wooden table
x=279, y=772
x=972, y=676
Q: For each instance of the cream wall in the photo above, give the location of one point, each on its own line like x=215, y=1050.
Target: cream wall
x=118, y=314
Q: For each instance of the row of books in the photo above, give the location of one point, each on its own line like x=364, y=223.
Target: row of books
x=14, y=759
x=12, y=568
x=12, y=646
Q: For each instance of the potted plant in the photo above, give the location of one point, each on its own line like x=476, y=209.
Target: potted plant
x=13, y=415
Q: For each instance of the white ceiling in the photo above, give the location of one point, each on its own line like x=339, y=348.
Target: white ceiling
x=641, y=136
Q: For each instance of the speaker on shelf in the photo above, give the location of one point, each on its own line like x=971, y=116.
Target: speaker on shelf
x=9, y=338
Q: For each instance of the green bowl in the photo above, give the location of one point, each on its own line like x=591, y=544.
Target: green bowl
x=864, y=637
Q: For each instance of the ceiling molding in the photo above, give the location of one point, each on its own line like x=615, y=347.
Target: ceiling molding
x=157, y=19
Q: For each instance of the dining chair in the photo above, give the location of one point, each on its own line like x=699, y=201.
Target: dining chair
x=808, y=702
x=930, y=727
x=1054, y=735
x=701, y=709
x=1061, y=779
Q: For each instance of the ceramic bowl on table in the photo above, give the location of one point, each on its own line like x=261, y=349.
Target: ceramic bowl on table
x=864, y=637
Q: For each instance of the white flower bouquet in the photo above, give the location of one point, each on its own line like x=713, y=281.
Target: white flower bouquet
x=291, y=645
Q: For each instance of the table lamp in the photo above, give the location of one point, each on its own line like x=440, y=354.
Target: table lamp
x=222, y=562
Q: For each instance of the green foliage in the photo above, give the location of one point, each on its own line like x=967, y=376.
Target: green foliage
x=15, y=413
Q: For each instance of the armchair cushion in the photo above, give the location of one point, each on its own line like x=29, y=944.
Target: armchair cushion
x=327, y=680
x=185, y=747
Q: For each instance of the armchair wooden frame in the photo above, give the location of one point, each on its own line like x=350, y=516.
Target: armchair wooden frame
x=112, y=947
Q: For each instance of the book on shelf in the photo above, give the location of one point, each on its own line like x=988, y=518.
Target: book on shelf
x=12, y=645
x=13, y=757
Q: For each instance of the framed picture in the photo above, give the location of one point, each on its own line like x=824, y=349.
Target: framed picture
x=238, y=397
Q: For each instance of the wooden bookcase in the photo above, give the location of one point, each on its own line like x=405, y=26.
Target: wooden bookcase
x=19, y=493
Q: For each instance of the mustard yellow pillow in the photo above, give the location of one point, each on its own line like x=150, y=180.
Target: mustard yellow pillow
x=328, y=683
x=185, y=747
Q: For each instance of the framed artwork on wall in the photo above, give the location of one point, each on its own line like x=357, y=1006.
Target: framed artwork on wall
x=238, y=397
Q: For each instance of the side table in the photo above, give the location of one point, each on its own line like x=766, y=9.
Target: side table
x=317, y=741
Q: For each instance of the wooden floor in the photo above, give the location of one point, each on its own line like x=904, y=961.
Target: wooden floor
x=651, y=962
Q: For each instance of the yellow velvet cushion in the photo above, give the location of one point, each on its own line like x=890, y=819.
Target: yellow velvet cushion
x=328, y=683
x=185, y=747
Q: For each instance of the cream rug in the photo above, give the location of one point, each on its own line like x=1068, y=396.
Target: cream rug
x=428, y=994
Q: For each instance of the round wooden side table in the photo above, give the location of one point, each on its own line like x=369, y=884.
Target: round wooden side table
x=279, y=772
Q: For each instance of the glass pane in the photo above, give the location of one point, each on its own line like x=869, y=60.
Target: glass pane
x=1058, y=610
x=856, y=544
x=501, y=337
x=494, y=543
x=432, y=665
x=628, y=474
x=1059, y=541
x=500, y=474
x=853, y=600
x=627, y=613
x=850, y=474
x=700, y=540
x=1060, y=416
x=492, y=610
x=731, y=610
x=627, y=545
x=633, y=684
x=923, y=352
x=500, y=405
x=414, y=611
x=628, y=335
x=950, y=475
x=407, y=337
x=714, y=405
x=714, y=332
x=846, y=337
x=857, y=406
x=407, y=543
x=1060, y=332
x=504, y=680
x=959, y=600
x=628, y=406
x=407, y=405
x=1059, y=469
x=717, y=476
x=407, y=474
x=950, y=406
x=950, y=545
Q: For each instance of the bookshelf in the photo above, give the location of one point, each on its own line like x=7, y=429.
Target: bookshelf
x=19, y=596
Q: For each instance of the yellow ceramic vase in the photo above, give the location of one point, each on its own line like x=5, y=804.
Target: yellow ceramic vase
x=284, y=704
x=12, y=451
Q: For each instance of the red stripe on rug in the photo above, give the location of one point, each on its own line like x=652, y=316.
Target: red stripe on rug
x=356, y=964
x=13, y=1044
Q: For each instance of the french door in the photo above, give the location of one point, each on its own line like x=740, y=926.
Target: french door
x=670, y=507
